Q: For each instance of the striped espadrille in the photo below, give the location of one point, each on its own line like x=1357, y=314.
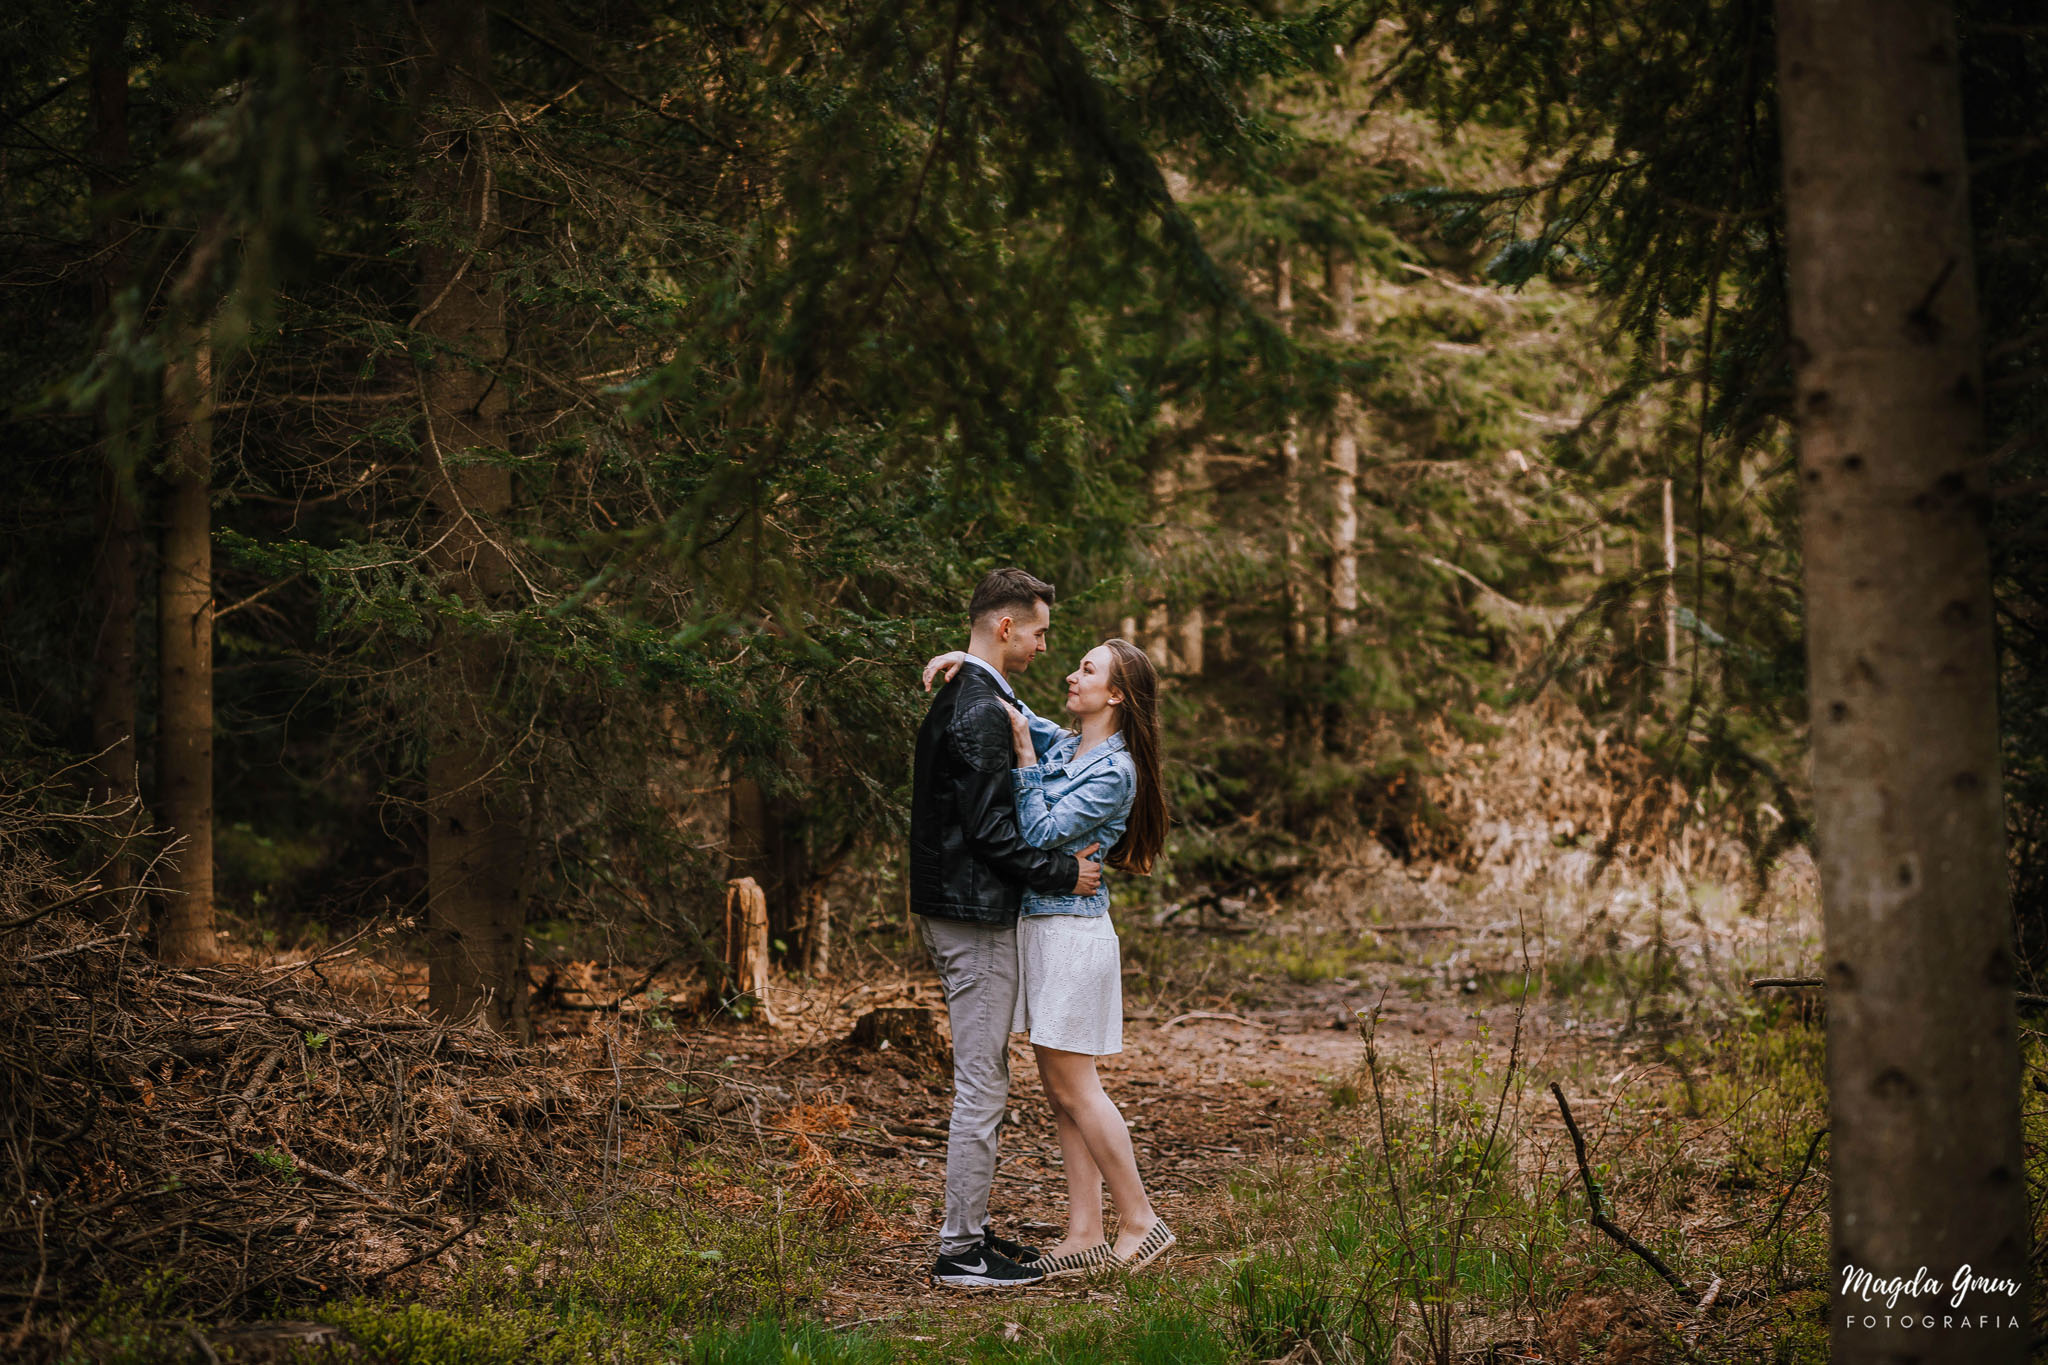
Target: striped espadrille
x=1157, y=1243
x=1081, y=1262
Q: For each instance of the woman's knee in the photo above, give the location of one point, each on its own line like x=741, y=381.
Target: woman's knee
x=1068, y=1078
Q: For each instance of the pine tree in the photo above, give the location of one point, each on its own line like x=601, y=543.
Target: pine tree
x=1923, y=1056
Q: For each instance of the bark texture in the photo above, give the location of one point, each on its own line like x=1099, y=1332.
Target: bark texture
x=185, y=931
x=746, y=942
x=475, y=844
x=1923, y=1062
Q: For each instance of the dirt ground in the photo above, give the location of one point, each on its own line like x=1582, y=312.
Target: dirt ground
x=1207, y=1093
x=1215, y=1082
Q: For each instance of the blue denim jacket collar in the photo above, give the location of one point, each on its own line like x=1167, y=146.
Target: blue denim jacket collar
x=1060, y=758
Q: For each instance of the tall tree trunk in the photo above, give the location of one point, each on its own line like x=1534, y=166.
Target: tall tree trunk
x=476, y=953
x=1923, y=1061
x=185, y=659
x=1669, y=599
x=1292, y=587
x=1192, y=513
x=1343, y=498
x=1158, y=639
x=117, y=562
x=1343, y=462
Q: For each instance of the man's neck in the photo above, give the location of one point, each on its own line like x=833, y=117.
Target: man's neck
x=990, y=653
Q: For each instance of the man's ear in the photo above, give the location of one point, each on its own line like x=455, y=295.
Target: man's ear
x=1003, y=629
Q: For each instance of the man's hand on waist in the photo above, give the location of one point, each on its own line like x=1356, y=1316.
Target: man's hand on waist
x=1090, y=877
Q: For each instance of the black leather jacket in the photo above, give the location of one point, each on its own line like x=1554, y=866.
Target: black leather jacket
x=968, y=861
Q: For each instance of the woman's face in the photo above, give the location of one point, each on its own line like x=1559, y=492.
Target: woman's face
x=1088, y=689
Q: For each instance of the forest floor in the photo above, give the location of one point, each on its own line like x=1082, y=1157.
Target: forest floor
x=1340, y=1100
x=1245, y=1081
x=1208, y=1092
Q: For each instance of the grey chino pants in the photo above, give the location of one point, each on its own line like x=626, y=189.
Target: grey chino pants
x=978, y=970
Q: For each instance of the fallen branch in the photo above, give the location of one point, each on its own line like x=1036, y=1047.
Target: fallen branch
x=1213, y=1014
x=56, y=953
x=1619, y=1234
x=916, y=1130
x=84, y=893
x=1804, y=1167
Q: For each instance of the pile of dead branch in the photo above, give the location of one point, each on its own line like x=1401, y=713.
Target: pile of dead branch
x=266, y=1136
x=1543, y=781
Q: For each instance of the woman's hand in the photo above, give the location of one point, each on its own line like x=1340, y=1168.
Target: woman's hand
x=950, y=661
x=1020, y=737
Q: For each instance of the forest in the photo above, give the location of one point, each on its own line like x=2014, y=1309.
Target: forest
x=483, y=484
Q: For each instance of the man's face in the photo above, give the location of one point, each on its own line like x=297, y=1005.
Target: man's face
x=1023, y=636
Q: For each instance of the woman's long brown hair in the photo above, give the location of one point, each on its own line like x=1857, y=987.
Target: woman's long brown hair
x=1131, y=673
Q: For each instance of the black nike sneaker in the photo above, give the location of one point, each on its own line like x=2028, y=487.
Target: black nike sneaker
x=1016, y=1251
x=982, y=1268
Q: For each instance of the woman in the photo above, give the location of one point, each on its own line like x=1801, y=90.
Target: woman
x=1097, y=784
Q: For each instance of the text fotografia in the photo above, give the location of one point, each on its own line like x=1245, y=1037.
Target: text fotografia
x=1956, y=1290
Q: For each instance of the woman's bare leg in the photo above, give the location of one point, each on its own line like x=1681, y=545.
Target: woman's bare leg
x=1074, y=1087
x=1084, y=1189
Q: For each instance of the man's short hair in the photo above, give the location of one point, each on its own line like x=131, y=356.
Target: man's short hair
x=1007, y=590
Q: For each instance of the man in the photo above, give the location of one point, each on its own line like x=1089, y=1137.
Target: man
x=969, y=866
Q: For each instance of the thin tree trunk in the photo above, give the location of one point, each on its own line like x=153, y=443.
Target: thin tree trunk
x=1339, y=272
x=1343, y=462
x=185, y=932
x=117, y=565
x=1670, y=597
x=1158, y=641
x=1923, y=1061
x=1294, y=590
x=1193, y=501
x=476, y=956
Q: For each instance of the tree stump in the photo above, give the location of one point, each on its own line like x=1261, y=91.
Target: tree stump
x=914, y=1033
x=746, y=941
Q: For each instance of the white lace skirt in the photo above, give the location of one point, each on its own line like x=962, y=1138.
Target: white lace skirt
x=1070, y=994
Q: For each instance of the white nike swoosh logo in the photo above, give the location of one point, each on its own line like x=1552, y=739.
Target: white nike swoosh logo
x=979, y=1267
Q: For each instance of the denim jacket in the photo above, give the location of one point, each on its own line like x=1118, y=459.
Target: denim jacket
x=1066, y=804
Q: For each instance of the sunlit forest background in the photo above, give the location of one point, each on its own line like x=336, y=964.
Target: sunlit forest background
x=481, y=478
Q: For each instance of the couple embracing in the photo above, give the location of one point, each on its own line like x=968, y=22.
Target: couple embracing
x=1012, y=818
